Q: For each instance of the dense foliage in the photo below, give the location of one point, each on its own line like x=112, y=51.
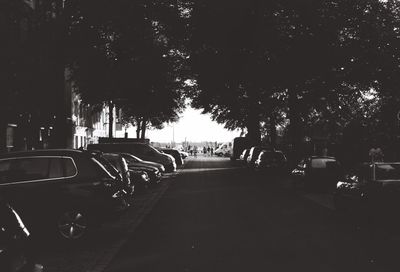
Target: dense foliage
x=309, y=61
x=303, y=68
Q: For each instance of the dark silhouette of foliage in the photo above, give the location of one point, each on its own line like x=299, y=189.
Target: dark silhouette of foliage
x=126, y=55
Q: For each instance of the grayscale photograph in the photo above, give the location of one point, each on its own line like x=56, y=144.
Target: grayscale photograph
x=199, y=135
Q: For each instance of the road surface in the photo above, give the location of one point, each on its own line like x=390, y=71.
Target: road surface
x=216, y=216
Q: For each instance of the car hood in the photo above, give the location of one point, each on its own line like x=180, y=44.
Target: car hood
x=144, y=166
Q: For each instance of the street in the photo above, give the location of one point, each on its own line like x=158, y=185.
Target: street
x=142, y=136
x=215, y=217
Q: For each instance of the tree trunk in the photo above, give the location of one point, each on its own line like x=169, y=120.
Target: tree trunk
x=253, y=128
x=138, y=127
x=110, y=119
x=144, y=125
x=253, y=133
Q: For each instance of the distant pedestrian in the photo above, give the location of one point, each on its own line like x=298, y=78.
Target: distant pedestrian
x=212, y=151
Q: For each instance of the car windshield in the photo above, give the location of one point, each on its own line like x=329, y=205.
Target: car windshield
x=388, y=171
x=321, y=162
x=115, y=161
x=131, y=159
x=111, y=170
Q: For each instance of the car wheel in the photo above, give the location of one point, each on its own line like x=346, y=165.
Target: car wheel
x=72, y=224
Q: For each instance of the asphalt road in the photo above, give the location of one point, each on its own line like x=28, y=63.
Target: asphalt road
x=219, y=217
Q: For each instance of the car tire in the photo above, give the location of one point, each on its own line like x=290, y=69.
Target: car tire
x=72, y=224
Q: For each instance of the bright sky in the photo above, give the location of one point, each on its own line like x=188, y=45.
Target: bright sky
x=193, y=126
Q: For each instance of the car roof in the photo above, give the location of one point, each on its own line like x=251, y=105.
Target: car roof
x=111, y=154
x=323, y=157
x=169, y=149
x=117, y=144
x=379, y=163
x=271, y=151
x=44, y=152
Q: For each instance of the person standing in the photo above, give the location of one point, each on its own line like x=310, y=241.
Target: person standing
x=195, y=150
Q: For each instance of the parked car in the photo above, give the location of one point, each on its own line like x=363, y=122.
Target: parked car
x=244, y=155
x=174, y=153
x=253, y=154
x=317, y=173
x=143, y=151
x=141, y=179
x=152, y=172
x=371, y=190
x=136, y=161
x=271, y=161
x=65, y=191
x=121, y=166
x=16, y=250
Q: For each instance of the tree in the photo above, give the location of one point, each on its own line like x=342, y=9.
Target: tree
x=129, y=59
x=313, y=52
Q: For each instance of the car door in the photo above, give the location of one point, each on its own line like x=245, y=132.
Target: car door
x=26, y=185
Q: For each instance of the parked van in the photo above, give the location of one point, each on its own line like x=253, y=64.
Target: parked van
x=224, y=150
x=144, y=151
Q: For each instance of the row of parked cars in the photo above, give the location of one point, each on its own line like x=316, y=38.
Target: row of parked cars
x=65, y=193
x=369, y=191
x=264, y=158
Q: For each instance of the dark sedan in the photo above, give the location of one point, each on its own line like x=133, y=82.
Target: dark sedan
x=135, y=161
x=271, y=161
x=372, y=190
x=244, y=155
x=174, y=153
x=62, y=190
x=317, y=173
x=121, y=166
